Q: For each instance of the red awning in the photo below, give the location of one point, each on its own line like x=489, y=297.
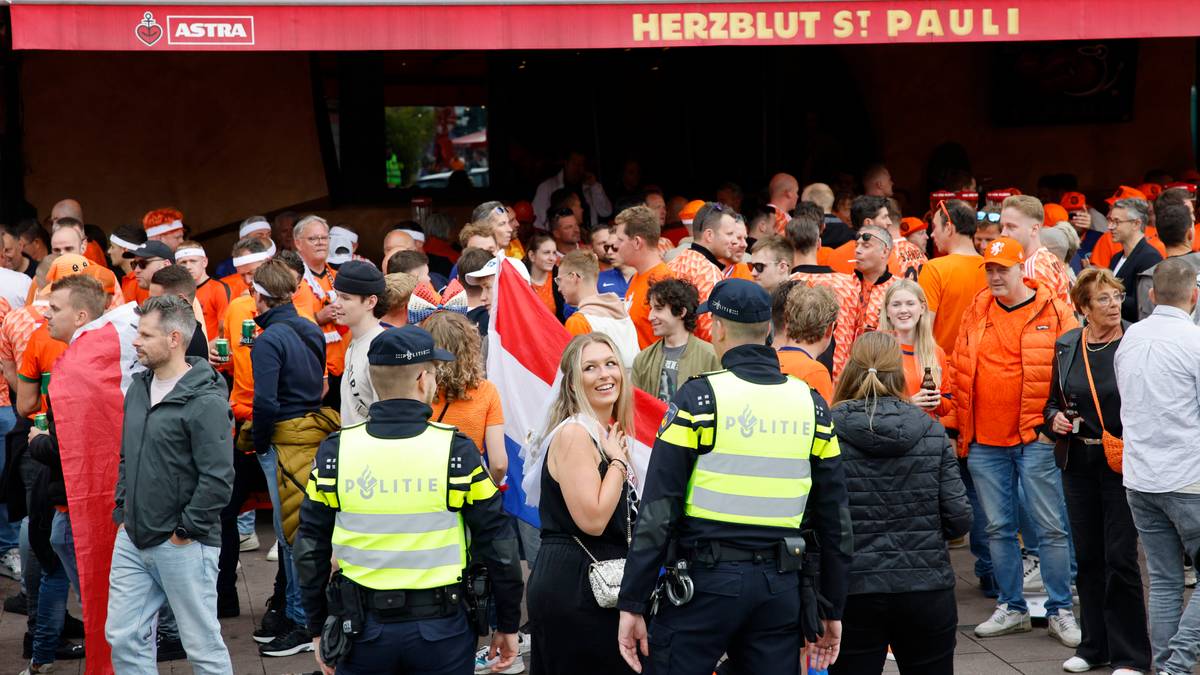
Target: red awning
x=303, y=25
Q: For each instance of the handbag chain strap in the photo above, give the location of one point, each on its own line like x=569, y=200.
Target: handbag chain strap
x=628, y=489
x=1087, y=367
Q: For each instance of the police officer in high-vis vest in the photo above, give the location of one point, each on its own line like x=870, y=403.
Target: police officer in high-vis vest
x=746, y=493
x=391, y=500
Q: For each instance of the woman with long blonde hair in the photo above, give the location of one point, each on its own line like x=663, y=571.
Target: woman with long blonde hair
x=906, y=501
x=906, y=315
x=586, y=507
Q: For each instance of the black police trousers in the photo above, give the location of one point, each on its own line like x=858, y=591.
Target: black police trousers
x=444, y=646
x=747, y=610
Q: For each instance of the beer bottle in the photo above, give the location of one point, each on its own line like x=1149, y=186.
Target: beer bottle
x=928, y=383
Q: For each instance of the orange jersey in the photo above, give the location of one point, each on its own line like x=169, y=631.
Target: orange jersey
x=846, y=289
x=38, y=362
x=842, y=258
x=94, y=253
x=213, y=297
x=638, y=305
x=907, y=260
x=781, y=220
x=545, y=293
x=825, y=256
x=695, y=267
x=797, y=363
x=335, y=342
x=237, y=287
x=951, y=283
x=739, y=271
x=131, y=290
x=15, y=332
x=871, y=298
x=1045, y=268
x=5, y=310
x=241, y=395
x=1103, y=251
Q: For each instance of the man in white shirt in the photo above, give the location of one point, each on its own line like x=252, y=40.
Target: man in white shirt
x=573, y=173
x=362, y=301
x=1158, y=376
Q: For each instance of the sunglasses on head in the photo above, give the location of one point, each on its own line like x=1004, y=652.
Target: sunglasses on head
x=988, y=216
x=866, y=237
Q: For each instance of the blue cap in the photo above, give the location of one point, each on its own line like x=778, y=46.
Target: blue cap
x=739, y=301
x=405, y=346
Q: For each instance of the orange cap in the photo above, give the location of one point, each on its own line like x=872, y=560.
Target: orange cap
x=1125, y=192
x=1151, y=190
x=689, y=211
x=1074, y=201
x=66, y=265
x=910, y=225
x=1055, y=214
x=1004, y=251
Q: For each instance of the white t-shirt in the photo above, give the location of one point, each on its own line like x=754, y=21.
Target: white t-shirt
x=357, y=391
x=160, y=388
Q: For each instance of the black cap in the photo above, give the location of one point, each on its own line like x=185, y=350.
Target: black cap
x=152, y=249
x=739, y=301
x=359, y=277
x=404, y=346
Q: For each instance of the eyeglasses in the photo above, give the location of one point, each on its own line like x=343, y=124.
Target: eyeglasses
x=317, y=240
x=1109, y=300
x=143, y=263
x=989, y=216
x=559, y=279
x=1118, y=221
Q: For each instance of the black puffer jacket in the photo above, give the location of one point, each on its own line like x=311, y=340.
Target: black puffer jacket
x=906, y=496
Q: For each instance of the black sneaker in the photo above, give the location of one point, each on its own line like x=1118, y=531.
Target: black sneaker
x=297, y=640
x=170, y=649
x=72, y=628
x=274, y=624
x=67, y=650
x=16, y=604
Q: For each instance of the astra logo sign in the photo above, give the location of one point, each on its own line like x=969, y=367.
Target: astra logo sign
x=197, y=30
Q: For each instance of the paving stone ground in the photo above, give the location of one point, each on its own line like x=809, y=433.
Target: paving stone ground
x=1032, y=654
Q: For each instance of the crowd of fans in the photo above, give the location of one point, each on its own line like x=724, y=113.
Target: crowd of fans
x=984, y=343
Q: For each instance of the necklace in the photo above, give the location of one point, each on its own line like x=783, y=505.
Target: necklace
x=1101, y=348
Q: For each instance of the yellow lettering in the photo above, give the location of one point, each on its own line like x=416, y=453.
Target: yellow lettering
x=716, y=28
x=809, y=19
x=741, y=25
x=695, y=26
x=962, y=21
x=929, y=24
x=863, y=16
x=787, y=30
x=762, y=30
x=670, y=27
x=645, y=27
x=843, y=24
x=1014, y=21
x=898, y=20
x=989, y=26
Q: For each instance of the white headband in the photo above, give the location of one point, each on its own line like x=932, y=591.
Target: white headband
x=190, y=253
x=249, y=258
x=417, y=236
x=260, y=290
x=127, y=245
x=341, y=231
x=256, y=226
x=164, y=228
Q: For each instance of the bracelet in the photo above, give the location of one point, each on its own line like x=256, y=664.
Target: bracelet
x=624, y=466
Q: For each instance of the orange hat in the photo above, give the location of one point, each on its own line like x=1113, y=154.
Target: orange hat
x=910, y=225
x=1004, y=251
x=1055, y=214
x=162, y=221
x=1074, y=201
x=1151, y=190
x=523, y=210
x=1125, y=192
x=689, y=211
x=66, y=265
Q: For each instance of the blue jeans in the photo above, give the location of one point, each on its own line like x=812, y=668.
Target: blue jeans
x=292, y=607
x=1029, y=536
x=9, y=538
x=245, y=522
x=1163, y=521
x=51, y=612
x=62, y=540
x=140, y=580
x=997, y=472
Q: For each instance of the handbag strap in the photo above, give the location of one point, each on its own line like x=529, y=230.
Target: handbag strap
x=1087, y=367
x=585, y=549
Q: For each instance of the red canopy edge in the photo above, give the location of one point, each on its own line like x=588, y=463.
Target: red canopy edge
x=338, y=26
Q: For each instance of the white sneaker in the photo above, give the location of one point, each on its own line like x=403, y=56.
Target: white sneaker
x=273, y=554
x=1003, y=622
x=1078, y=665
x=1032, y=573
x=1127, y=671
x=525, y=640
x=484, y=665
x=1064, y=627
x=1189, y=576
x=248, y=542
x=10, y=564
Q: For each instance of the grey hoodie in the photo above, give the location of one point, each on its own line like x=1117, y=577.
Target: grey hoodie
x=1145, y=282
x=176, y=459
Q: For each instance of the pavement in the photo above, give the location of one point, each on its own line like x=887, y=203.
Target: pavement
x=1031, y=653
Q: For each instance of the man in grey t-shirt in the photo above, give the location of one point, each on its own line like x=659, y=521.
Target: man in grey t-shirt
x=362, y=300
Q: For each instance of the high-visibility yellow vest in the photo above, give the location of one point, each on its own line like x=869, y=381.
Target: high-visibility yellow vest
x=758, y=472
x=393, y=530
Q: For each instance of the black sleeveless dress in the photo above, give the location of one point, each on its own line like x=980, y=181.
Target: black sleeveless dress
x=572, y=635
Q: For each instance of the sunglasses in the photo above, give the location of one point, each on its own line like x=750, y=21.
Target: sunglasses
x=759, y=267
x=610, y=247
x=945, y=213
x=988, y=216
x=866, y=237
x=143, y=263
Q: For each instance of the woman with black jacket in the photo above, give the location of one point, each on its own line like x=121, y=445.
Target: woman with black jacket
x=1111, y=605
x=906, y=502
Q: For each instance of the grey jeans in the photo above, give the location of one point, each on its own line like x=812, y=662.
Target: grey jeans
x=1169, y=526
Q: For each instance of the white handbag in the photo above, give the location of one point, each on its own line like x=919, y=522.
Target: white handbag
x=605, y=575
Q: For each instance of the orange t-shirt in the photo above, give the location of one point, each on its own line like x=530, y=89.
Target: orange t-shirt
x=214, y=298
x=1104, y=250
x=950, y=283
x=335, y=341
x=847, y=291
x=997, y=392
x=797, y=363
x=131, y=290
x=545, y=293
x=94, y=253
x=473, y=415
x=826, y=255
x=237, y=287
x=914, y=373
x=739, y=271
x=241, y=395
x=38, y=361
x=842, y=258
x=577, y=324
x=637, y=304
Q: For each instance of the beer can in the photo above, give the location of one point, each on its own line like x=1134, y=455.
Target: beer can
x=248, y=332
x=222, y=349
x=40, y=421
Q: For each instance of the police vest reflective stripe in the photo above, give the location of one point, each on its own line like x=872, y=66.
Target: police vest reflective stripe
x=393, y=530
x=758, y=472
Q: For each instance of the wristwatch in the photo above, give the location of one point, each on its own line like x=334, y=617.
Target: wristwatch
x=182, y=533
